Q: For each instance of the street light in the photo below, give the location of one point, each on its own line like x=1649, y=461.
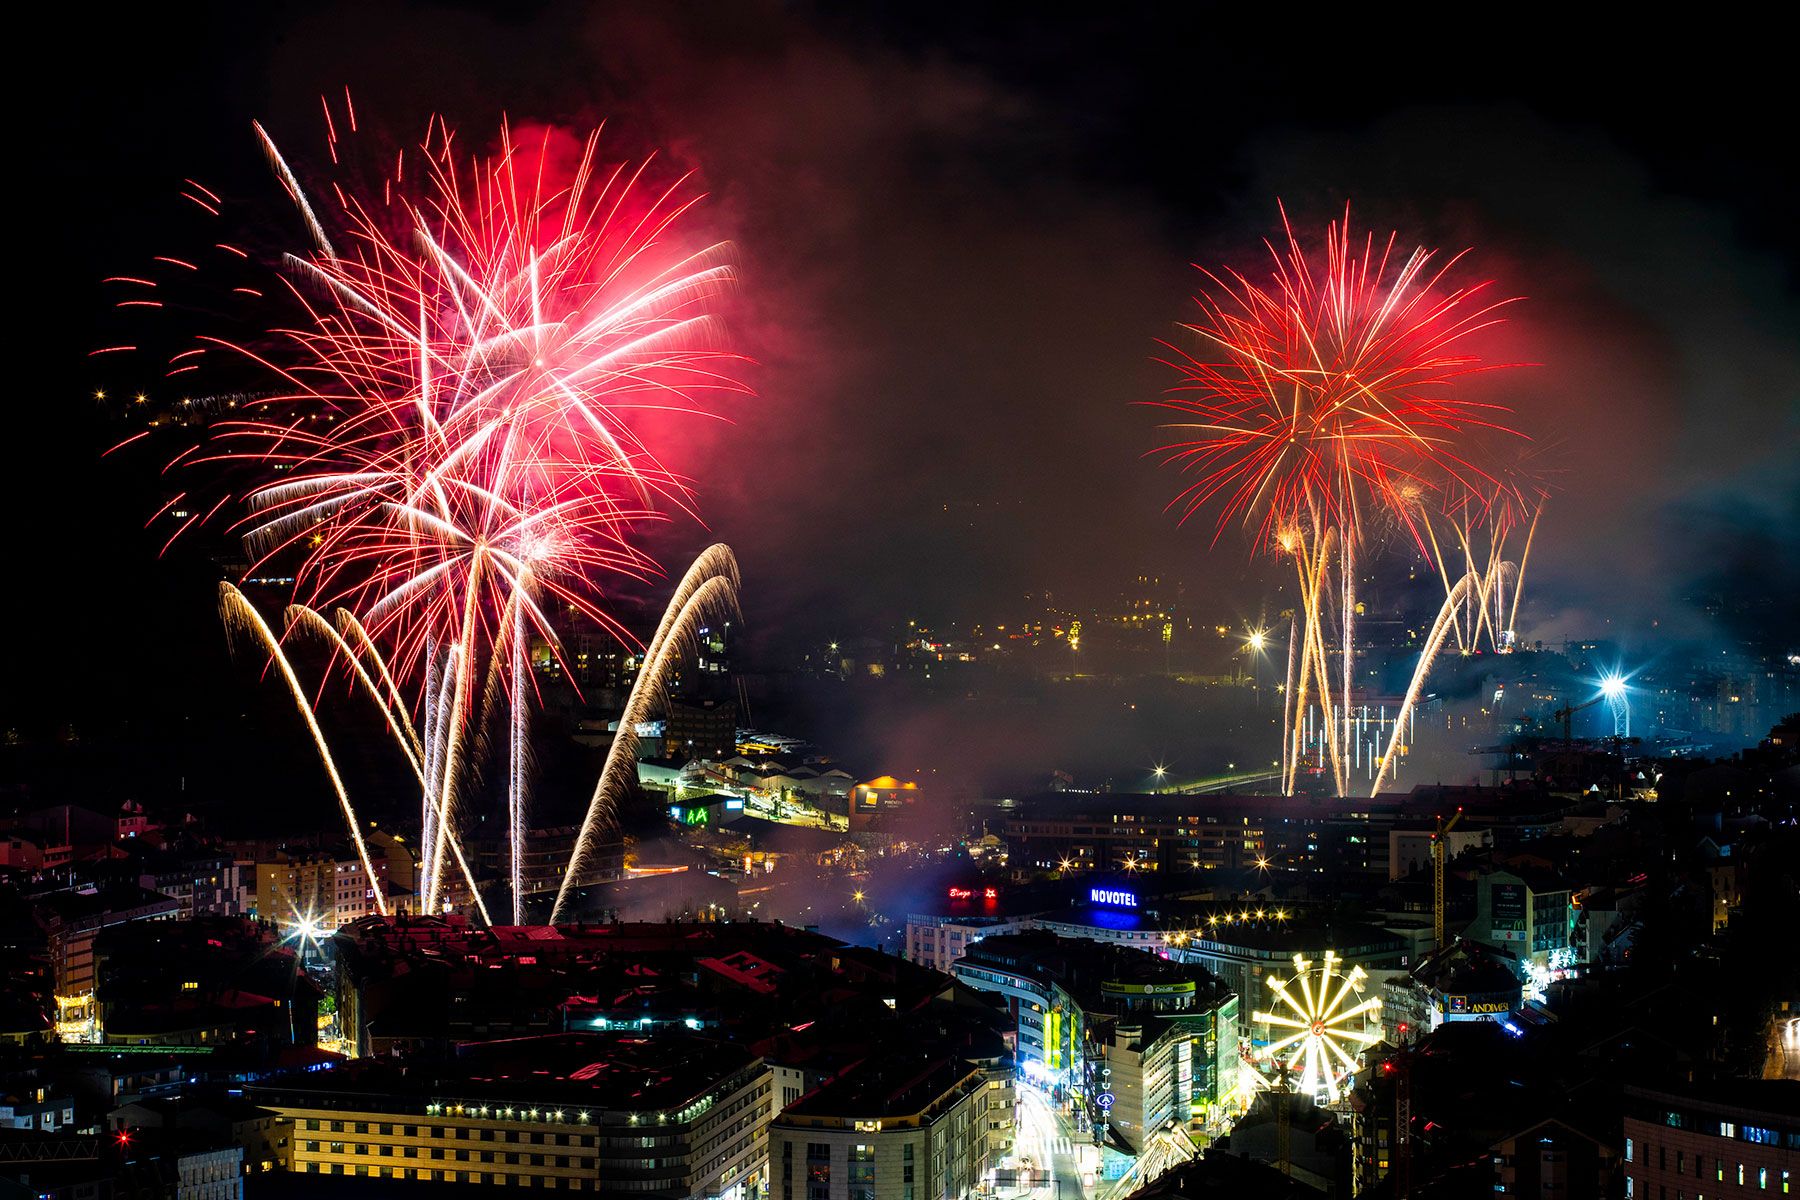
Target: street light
x=1253, y=644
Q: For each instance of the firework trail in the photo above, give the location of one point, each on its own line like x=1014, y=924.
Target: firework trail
x=710, y=586
x=450, y=452
x=1440, y=629
x=1483, y=524
x=1319, y=398
x=241, y=616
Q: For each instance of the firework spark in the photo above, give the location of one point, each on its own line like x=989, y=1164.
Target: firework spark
x=450, y=452
x=1318, y=399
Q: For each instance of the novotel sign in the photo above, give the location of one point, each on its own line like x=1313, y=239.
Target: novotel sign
x=1113, y=897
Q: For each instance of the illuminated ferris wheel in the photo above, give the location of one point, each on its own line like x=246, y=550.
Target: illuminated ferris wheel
x=1324, y=1028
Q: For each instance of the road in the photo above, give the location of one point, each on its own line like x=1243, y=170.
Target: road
x=1783, y=1061
x=1046, y=1137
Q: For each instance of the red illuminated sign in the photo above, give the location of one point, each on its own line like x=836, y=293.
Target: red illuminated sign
x=963, y=893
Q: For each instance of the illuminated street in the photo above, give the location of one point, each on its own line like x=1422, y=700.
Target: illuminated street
x=1784, y=1049
x=1046, y=1138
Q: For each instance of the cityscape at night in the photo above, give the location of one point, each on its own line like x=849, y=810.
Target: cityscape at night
x=755, y=600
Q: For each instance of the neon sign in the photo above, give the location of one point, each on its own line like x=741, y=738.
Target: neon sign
x=963, y=893
x=1115, y=897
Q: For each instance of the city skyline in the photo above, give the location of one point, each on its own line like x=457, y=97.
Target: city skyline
x=801, y=601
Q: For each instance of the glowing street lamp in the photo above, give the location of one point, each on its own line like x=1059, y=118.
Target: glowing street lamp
x=1254, y=643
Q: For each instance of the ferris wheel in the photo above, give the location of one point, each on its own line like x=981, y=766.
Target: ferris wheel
x=1323, y=1029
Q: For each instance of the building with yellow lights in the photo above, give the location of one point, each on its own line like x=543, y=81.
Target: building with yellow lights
x=328, y=888
x=672, y=1116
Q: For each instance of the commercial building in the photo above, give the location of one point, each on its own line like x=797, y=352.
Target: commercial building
x=1137, y=1039
x=1729, y=1139
x=1111, y=914
x=911, y=1125
x=1527, y=913
x=675, y=1116
x=1464, y=981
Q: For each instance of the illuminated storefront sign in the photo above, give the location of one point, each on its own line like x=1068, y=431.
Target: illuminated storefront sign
x=963, y=893
x=1114, y=897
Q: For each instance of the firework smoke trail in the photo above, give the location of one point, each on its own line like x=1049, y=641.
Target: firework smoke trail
x=1287, y=700
x=240, y=614
x=1512, y=615
x=450, y=433
x=1347, y=618
x=1323, y=396
x=1439, y=630
x=518, y=754
x=709, y=585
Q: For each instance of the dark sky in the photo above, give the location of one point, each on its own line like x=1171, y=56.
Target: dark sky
x=961, y=228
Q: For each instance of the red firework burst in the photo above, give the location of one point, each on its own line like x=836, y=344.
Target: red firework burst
x=452, y=440
x=1329, y=388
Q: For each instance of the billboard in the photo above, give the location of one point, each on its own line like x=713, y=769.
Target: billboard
x=1506, y=912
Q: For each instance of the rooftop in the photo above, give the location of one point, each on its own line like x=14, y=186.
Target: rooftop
x=900, y=1084
x=615, y=1072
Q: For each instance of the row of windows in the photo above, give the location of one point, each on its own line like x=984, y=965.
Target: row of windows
x=1761, y=1178
x=498, y=1178
x=525, y=1137
x=437, y=1153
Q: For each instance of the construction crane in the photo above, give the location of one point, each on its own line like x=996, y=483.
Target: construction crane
x=1612, y=690
x=1567, y=711
x=1437, y=876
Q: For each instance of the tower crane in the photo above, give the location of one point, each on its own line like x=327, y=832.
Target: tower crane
x=1437, y=876
x=1567, y=711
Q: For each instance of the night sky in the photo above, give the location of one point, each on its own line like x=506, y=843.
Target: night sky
x=962, y=228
